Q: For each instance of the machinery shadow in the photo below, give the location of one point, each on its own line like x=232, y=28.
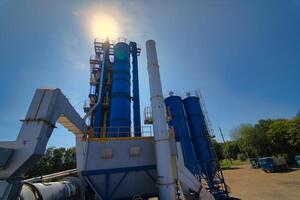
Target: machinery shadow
x=234, y=198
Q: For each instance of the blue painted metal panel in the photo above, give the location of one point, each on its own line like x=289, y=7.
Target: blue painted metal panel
x=200, y=137
x=109, y=197
x=182, y=134
x=120, y=115
x=107, y=192
x=119, y=183
x=118, y=170
x=135, y=91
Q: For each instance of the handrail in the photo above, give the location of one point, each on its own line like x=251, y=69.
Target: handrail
x=121, y=131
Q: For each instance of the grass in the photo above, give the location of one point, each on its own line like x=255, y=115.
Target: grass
x=226, y=164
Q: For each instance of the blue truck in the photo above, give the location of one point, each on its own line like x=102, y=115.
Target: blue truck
x=254, y=163
x=297, y=158
x=273, y=164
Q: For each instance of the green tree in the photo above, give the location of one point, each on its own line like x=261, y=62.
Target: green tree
x=284, y=136
x=245, y=135
x=278, y=135
x=263, y=145
x=54, y=160
x=231, y=149
x=70, y=158
x=294, y=135
x=218, y=149
x=267, y=138
x=241, y=157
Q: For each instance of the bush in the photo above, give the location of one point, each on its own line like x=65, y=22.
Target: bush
x=54, y=160
x=242, y=157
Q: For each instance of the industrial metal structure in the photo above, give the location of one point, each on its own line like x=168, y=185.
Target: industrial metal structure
x=180, y=126
x=192, y=129
x=117, y=159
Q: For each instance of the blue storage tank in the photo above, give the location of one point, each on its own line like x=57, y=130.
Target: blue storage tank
x=120, y=120
x=178, y=121
x=200, y=137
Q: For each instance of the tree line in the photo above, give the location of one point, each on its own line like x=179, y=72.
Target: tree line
x=54, y=160
x=271, y=137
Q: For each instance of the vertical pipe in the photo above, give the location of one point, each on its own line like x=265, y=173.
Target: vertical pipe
x=98, y=118
x=135, y=91
x=166, y=181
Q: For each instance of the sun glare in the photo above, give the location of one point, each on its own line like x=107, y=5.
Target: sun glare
x=104, y=27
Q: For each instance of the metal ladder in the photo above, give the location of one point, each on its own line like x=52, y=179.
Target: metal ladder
x=209, y=128
x=220, y=181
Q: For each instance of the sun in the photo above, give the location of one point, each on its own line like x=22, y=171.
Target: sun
x=104, y=27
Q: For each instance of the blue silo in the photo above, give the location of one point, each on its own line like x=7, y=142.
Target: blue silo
x=200, y=137
x=178, y=121
x=120, y=119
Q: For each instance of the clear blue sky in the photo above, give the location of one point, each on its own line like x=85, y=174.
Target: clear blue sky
x=243, y=55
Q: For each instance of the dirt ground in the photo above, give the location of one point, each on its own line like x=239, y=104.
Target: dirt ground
x=254, y=184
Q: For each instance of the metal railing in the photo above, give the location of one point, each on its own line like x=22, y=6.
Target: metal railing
x=52, y=177
x=148, y=115
x=120, y=131
x=121, y=39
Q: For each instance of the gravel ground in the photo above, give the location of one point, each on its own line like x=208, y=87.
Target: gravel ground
x=254, y=184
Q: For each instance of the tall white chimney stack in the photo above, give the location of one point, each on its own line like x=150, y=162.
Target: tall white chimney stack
x=166, y=181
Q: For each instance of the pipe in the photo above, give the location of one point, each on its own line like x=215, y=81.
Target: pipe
x=135, y=91
x=46, y=178
x=166, y=181
x=70, y=188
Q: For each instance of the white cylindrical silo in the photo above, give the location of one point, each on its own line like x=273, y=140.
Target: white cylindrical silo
x=166, y=181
